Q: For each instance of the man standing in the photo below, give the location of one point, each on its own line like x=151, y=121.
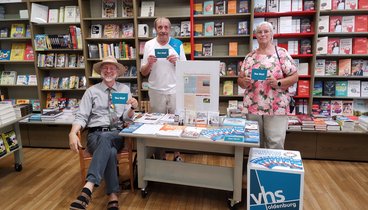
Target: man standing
x=103, y=119
x=161, y=67
x=159, y=61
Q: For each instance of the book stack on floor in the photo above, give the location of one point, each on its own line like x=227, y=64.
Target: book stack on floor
x=7, y=113
x=50, y=116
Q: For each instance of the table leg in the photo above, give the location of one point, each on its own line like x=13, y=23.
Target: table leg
x=142, y=154
x=238, y=174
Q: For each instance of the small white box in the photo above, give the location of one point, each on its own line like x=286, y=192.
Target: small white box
x=275, y=179
x=23, y=14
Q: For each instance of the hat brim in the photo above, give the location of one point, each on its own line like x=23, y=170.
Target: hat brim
x=121, y=67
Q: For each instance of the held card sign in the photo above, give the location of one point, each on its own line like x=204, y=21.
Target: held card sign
x=119, y=98
x=259, y=74
x=161, y=53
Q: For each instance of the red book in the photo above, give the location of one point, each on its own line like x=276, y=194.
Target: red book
x=363, y=4
x=303, y=88
x=28, y=53
x=333, y=46
x=360, y=45
x=335, y=23
x=361, y=23
x=73, y=36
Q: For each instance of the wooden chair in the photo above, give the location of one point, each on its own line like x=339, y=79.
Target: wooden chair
x=123, y=156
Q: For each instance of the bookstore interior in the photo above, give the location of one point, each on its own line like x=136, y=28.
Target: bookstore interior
x=48, y=49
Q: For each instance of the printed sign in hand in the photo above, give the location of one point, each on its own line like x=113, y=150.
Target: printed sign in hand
x=161, y=53
x=119, y=98
x=259, y=74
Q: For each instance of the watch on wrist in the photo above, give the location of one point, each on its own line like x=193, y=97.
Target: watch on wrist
x=132, y=108
x=279, y=83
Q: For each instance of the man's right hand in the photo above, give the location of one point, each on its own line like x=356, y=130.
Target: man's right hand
x=74, y=142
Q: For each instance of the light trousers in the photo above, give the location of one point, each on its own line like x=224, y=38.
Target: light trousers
x=104, y=147
x=272, y=130
x=162, y=103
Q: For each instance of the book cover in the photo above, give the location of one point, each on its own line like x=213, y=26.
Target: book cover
x=341, y=88
x=336, y=107
x=209, y=28
x=53, y=16
x=201, y=119
x=191, y=132
x=148, y=9
x=353, y=88
x=213, y=118
x=32, y=79
x=329, y=88
x=190, y=117
x=285, y=5
x=220, y=7
x=207, y=49
x=233, y=48
x=305, y=46
x=111, y=31
x=132, y=127
x=325, y=107
x=274, y=23
x=198, y=9
x=50, y=58
x=347, y=108
x=357, y=67
x=260, y=6
x=54, y=83
x=208, y=7
x=175, y=30
x=335, y=23
x=96, y=31
x=324, y=24
x=18, y=30
x=228, y=88
x=218, y=29
x=348, y=24
x=28, y=53
x=318, y=88
x=40, y=42
x=70, y=14
x=344, y=67
x=331, y=67
x=303, y=88
x=5, y=55
x=338, y=4
x=360, y=45
x=308, y=5
x=325, y=5
x=22, y=79
x=351, y=4
x=346, y=46
x=127, y=8
x=17, y=51
x=10, y=140
x=64, y=83
x=109, y=8
x=39, y=13
x=8, y=77
x=305, y=25
x=364, y=88
x=198, y=47
x=361, y=23
x=322, y=45
x=272, y=6
x=243, y=6
x=242, y=27
x=185, y=28
x=46, y=83
x=3, y=150
x=333, y=46
x=198, y=29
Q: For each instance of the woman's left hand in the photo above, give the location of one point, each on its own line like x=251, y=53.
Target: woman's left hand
x=272, y=81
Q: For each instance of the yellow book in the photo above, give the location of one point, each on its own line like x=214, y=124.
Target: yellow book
x=228, y=88
x=187, y=48
x=17, y=51
x=18, y=30
x=198, y=29
x=233, y=48
x=198, y=50
x=198, y=9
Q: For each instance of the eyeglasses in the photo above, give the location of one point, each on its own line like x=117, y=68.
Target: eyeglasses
x=263, y=32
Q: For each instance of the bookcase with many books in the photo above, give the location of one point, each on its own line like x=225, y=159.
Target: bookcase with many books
x=341, y=69
x=109, y=29
x=58, y=46
x=16, y=54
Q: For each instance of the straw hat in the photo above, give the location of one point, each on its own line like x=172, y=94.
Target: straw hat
x=111, y=60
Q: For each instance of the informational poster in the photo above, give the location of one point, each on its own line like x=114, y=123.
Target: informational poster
x=197, y=85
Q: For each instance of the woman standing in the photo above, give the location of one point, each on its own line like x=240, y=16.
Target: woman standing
x=267, y=101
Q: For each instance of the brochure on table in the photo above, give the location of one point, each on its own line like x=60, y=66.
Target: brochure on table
x=197, y=85
x=275, y=179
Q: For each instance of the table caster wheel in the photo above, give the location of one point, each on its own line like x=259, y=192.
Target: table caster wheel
x=18, y=167
x=144, y=193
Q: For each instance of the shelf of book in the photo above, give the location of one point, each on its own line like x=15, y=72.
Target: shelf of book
x=343, y=34
x=108, y=19
x=280, y=14
x=63, y=90
x=339, y=97
x=16, y=62
x=18, y=85
x=339, y=77
x=171, y=18
x=16, y=39
x=344, y=12
x=223, y=16
x=343, y=56
x=222, y=37
x=60, y=68
x=292, y=35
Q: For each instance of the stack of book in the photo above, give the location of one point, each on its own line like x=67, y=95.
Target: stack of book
x=363, y=122
x=294, y=123
x=332, y=125
x=346, y=123
x=320, y=124
x=50, y=116
x=7, y=113
x=307, y=123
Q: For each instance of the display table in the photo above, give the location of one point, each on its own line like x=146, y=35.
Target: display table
x=199, y=175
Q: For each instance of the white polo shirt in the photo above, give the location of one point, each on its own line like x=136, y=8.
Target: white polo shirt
x=163, y=77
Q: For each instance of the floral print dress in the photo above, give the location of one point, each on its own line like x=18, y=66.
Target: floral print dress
x=260, y=98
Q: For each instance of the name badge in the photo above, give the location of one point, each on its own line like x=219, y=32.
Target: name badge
x=119, y=98
x=161, y=53
x=259, y=74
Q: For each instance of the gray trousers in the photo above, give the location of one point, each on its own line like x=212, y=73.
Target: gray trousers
x=272, y=130
x=162, y=103
x=104, y=147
